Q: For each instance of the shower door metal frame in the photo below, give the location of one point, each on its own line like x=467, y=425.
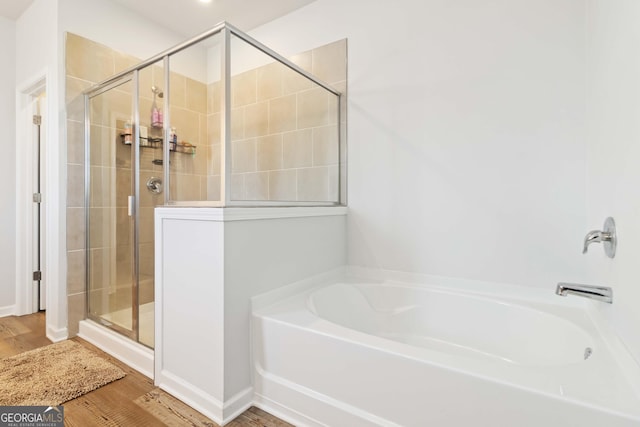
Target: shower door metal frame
x=227, y=30
x=133, y=77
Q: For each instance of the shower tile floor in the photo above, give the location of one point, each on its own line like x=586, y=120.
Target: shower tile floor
x=122, y=318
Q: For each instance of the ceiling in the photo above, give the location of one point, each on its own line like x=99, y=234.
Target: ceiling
x=12, y=9
x=191, y=17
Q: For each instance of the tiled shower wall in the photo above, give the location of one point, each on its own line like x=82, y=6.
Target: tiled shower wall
x=284, y=128
x=284, y=146
x=87, y=63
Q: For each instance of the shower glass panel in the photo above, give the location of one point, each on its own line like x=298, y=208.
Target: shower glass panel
x=219, y=120
x=284, y=132
x=194, y=119
x=150, y=183
x=110, y=228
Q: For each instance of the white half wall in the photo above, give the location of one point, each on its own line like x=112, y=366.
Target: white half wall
x=7, y=163
x=614, y=156
x=466, y=152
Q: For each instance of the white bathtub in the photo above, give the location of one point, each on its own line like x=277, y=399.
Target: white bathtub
x=391, y=353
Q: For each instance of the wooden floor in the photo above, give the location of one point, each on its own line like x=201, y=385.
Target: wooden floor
x=131, y=401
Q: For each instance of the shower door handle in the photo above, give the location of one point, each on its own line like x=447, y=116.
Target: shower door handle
x=130, y=200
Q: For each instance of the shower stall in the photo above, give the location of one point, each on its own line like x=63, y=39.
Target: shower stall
x=217, y=121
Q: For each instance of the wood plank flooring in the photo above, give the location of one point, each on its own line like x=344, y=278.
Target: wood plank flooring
x=132, y=401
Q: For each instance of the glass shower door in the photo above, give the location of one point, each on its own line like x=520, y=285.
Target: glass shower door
x=110, y=221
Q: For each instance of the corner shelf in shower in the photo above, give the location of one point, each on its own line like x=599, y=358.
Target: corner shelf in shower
x=157, y=143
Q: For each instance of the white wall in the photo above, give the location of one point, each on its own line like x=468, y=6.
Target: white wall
x=614, y=156
x=36, y=58
x=7, y=163
x=466, y=133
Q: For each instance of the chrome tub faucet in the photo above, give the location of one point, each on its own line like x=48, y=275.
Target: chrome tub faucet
x=599, y=293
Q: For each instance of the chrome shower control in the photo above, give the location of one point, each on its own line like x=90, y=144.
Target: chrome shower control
x=154, y=185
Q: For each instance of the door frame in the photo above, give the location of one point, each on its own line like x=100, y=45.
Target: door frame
x=52, y=218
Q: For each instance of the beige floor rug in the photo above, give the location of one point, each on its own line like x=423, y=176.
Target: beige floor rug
x=51, y=375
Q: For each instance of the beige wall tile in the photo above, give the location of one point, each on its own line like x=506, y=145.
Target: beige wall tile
x=196, y=96
x=256, y=186
x=282, y=185
x=325, y=145
x=75, y=186
x=76, y=306
x=146, y=225
x=88, y=60
x=329, y=62
x=187, y=187
x=101, y=267
x=102, y=145
x=243, y=89
x=107, y=107
x=282, y=114
x=76, y=272
x=269, y=81
x=237, y=123
x=101, y=227
x=123, y=268
x=124, y=227
x=313, y=108
x=145, y=76
x=203, y=138
x=179, y=91
x=269, y=152
x=298, y=149
x=75, y=229
x=102, y=192
x=237, y=186
x=122, y=61
x=313, y=184
x=146, y=260
x=293, y=82
x=123, y=155
x=256, y=120
x=214, y=128
x=75, y=142
x=243, y=156
x=75, y=99
x=214, y=160
x=213, y=187
x=214, y=97
x=187, y=124
x=123, y=188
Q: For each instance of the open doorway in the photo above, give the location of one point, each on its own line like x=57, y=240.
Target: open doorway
x=32, y=125
x=39, y=119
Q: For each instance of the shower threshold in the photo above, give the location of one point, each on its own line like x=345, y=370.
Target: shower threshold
x=136, y=355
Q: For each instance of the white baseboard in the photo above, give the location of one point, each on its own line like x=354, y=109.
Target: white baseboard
x=237, y=404
x=198, y=399
x=303, y=407
x=133, y=354
x=57, y=335
x=9, y=310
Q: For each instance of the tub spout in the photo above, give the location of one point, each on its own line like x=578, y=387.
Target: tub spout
x=599, y=293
